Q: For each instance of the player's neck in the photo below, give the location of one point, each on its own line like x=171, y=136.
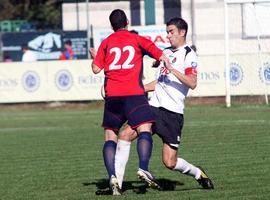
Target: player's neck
x=181, y=44
x=121, y=29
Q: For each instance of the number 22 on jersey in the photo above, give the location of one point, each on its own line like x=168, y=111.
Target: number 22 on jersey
x=117, y=56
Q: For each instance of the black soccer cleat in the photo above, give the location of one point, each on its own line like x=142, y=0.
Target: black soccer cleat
x=204, y=180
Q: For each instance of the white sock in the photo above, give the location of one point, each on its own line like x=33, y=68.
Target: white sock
x=186, y=168
x=121, y=158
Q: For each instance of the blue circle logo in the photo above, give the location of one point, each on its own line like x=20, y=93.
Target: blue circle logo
x=264, y=73
x=194, y=64
x=63, y=80
x=30, y=81
x=236, y=74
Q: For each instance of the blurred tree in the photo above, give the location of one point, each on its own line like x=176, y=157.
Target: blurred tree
x=45, y=14
x=6, y=10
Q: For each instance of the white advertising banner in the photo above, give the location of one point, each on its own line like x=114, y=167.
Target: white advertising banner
x=74, y=80
x=248, y=75
x=49, y=81
x=23, y=82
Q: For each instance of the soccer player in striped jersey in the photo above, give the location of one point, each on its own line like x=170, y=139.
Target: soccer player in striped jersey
x=167, y=104
x=120, y=56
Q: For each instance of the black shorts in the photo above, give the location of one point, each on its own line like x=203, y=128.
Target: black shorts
x=133, y=109
x=168, y=126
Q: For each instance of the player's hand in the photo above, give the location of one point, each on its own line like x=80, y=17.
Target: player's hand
x=168, y=66
x=165, y=60
x=92, y=52
x=156, y=63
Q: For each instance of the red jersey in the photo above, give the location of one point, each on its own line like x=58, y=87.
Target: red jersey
x=67, y=55
x=121, y=57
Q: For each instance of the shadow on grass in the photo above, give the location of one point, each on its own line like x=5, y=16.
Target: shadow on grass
x=137, y=187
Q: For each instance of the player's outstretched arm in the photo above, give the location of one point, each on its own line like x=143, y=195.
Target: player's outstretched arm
x=150, y=86
x=190, y=80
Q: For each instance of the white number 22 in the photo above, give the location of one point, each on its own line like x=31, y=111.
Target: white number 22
x=118, y=52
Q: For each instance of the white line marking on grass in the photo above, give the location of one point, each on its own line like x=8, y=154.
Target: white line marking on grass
x=227, y=122
x=10, y=129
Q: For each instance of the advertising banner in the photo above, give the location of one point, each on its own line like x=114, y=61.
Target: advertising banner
x=23, y=83
x=73, y=80
x=49, y=81
x=248, y=75
x=46, y=45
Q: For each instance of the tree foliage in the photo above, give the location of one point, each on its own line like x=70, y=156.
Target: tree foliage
x=45, y=14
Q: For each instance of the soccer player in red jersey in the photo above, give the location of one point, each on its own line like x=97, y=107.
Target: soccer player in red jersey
x=120, y=55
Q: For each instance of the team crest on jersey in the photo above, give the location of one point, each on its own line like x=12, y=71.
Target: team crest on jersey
x=236, y=74
x=264, y=73
x=174, y=60
x=194, y=64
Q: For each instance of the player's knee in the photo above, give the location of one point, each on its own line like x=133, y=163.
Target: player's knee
x=127, y=134
x=124, y=136
x=144, y=127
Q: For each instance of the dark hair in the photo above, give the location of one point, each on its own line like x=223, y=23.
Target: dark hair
x=134, y=31
x=24, y=46
x=179, y=23
x=6, y=56
x=68, y=42
x=118, y=19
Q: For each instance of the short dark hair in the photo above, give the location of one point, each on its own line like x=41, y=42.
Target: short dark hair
x=68, y=42
x=24, y=46
x=134, y=31
x=118, y=19
x=179, y=23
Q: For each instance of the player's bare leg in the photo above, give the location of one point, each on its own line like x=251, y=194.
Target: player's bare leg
x=170, y=160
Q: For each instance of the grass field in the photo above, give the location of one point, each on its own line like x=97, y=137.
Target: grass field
x=56, y=154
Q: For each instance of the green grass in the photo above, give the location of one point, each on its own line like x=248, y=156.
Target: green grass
x=56, y=154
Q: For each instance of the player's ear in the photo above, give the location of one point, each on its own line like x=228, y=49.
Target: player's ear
x=182, y=32
x=127, y=22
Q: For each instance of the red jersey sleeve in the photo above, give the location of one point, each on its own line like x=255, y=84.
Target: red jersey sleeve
x=150, y=47
x=99, y=60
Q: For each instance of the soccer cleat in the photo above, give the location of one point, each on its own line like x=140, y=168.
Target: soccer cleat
x=204, y=180
x=114, y=186
x=148, y=178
